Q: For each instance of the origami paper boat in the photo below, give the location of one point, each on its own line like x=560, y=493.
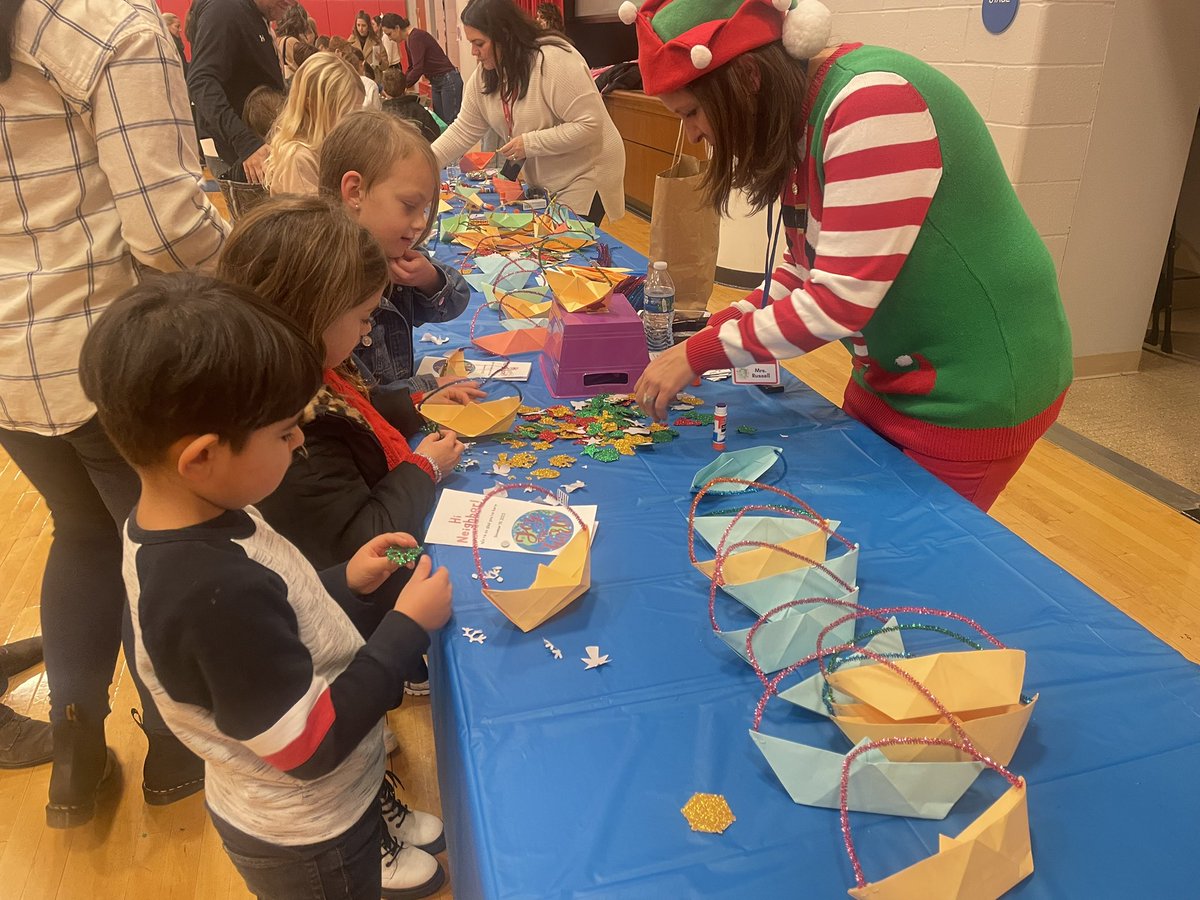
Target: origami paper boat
x=747, y=464
x=763, y=562
x=761, y=595
x=452, y=226
x=474, y=419
x=769, y=529
x=501, y=272
x=509, y=343
x=554, y=588
x=512, y=220
x=470, y=195
x=988, y=858
x=532, y=302
x=964, y=682
x=809, y=693
x=995, y=732
x=476, y=162
x=509, y=191
x=813, y=777
x=576, y=293
x=792, y=633
x=612, y=275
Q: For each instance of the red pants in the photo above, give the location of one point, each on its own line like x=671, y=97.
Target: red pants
x=979, y=482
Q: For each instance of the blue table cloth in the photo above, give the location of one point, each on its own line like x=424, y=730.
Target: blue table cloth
x=558, y=781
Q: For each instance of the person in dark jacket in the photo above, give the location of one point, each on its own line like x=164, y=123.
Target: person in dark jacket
x=398, y=102
x=232, y=54
x=356, y=475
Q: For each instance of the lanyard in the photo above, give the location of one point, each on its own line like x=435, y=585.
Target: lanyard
x=506, y=105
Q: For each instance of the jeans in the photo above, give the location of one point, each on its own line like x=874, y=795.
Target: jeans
x=89, y=490
x=347, y=867
x=447, y=95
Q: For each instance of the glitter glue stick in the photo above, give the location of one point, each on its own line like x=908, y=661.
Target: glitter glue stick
x=720, y=417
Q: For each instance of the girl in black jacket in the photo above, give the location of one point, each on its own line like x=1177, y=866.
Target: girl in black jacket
x=356, y=475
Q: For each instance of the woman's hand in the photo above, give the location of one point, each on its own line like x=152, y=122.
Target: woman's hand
x=663, y=379
x=416, y=270
x=515, y=149
x=369, y=568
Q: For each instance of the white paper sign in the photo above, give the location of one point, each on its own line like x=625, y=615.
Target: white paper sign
x=507, y=524
x=480, y=368
x=757, y=373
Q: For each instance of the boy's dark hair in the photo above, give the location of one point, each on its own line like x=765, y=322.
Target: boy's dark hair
x=548, y=13
x=262, y=108
x=302, y=52
x=394, y=83
x=392, y=20
x=186, y=354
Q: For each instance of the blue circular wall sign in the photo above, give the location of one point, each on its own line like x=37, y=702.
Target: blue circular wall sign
x=999, y=14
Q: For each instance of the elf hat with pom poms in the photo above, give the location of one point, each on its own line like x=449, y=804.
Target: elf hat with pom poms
x=680, y=40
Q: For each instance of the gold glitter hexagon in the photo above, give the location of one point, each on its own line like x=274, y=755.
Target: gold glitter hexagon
x=708, y=812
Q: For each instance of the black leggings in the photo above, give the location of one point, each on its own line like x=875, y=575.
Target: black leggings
x=89, y=491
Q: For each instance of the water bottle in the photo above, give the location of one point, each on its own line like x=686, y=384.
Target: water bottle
x=658, y=310
x=453, y=175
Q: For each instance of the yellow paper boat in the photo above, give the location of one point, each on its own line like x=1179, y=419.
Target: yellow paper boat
x=575, y=293
x=963, y=682
x=995, y=732
x=763, y=562
x=521, y=307
x=613, y=276
x=555, y=587
x=988, y=858
x=474, y=419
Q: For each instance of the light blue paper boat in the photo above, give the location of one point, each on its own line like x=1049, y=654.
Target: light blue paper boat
x=764, y=594
x=501, y=272
x=792, y=634
x=748, y=464
x=813, y=777
x=768, y=529
x=808, y=693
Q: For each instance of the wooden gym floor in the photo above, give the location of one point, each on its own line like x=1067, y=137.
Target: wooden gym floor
x=1138, y=554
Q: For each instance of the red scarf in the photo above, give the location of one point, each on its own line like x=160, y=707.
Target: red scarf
x=395, y=447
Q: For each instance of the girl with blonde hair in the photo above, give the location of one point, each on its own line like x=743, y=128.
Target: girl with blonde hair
x=325, y=89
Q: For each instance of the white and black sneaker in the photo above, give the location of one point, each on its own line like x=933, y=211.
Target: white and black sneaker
x=408, y=873
x=417, y=688
x=410, y=827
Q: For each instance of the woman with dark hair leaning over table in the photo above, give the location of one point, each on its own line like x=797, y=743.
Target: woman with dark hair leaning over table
x=534, y=89
x=904, y=237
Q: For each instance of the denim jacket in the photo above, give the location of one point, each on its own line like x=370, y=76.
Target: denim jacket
x=387, y=352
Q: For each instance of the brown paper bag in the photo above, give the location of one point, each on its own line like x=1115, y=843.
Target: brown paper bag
x=684, y=229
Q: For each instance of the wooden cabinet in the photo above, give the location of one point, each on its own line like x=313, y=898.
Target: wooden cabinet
x=649, y=131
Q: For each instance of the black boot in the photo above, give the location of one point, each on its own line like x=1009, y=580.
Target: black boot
x=83, y=766
x=172, y=771
x=19, y=656
x=23, y=741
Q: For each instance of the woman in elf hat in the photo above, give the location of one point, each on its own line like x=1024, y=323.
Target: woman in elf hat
x=534, y=89
x=904, y=237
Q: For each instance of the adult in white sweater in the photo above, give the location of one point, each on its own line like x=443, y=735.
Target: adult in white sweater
x=535, y=91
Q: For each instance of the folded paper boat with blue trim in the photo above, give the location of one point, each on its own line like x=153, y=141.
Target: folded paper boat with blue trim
x=812, y=777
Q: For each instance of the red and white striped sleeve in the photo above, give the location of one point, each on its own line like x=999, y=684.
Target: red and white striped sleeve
x=882, y=165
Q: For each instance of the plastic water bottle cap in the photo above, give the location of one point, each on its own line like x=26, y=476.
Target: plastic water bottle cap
x=660, y=265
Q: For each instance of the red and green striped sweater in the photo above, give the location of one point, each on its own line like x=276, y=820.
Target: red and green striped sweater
x=919, y=257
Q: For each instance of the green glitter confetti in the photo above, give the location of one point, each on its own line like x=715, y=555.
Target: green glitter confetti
x=402, y=556
x=703, y=418
x=665, y=436
x=747, y=429
x=602, y=454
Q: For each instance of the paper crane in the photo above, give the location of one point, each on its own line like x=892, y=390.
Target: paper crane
x=555, y=586
x=813, y=777
x=575, y=293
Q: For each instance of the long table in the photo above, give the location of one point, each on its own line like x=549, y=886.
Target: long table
x=559, y=781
